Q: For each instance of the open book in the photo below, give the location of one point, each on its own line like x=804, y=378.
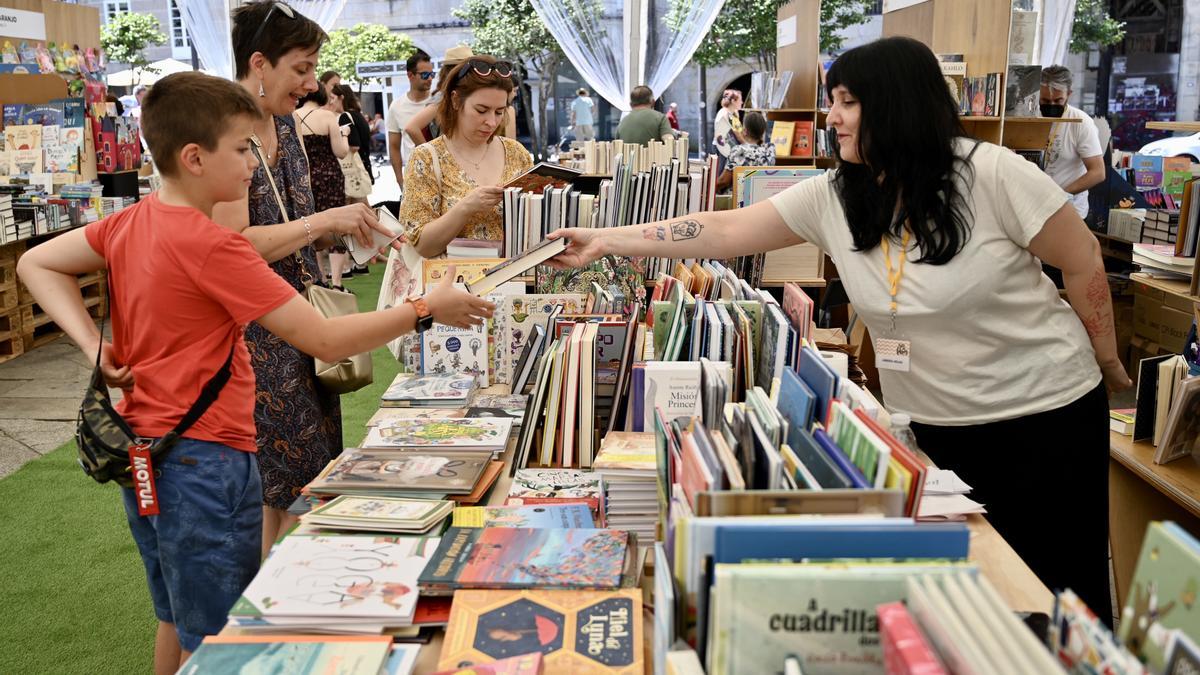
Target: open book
x=537, y=178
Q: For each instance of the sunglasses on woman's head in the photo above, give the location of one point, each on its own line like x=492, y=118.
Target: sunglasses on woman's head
x=283, y=9
x=484, y=69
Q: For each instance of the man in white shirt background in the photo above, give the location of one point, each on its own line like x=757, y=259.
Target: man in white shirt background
x=420, y=80
x=582, y=117
x=1074, y=158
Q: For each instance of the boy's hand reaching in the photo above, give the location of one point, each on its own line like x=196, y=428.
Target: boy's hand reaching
x=455, y=307
x=116, y=376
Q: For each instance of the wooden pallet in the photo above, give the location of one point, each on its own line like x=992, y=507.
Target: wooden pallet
x=8, y=273
x=8, y=297
x=38, y=328
x=12, y=342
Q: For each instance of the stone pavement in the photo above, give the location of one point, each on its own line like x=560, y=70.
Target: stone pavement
x=40, y=392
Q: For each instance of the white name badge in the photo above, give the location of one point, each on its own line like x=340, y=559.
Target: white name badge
x=893, y=354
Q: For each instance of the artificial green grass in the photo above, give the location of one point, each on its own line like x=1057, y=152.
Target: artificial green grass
x=74, y=589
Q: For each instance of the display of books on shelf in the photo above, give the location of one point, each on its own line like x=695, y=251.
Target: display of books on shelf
x=302, y=583
x=379, y=514
x=590, y=632
x=391, y=473
x=444, y=435
x=503, y=557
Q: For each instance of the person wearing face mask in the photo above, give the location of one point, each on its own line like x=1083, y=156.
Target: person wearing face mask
x=1074, y=158
x=299, y=423
x=452, y=183
x=939, y=240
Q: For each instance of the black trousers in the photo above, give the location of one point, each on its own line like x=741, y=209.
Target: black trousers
x=1044, y=481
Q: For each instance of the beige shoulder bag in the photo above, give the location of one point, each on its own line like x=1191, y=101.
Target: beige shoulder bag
x=349, y=374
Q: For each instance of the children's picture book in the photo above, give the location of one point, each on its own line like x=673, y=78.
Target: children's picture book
x=782, y=134
x=339, y=577
x=515, y=317
x=538, y=516
x=379, y=513
x=1161, y=598
x=802, y=143
x=450, y=349
x=579, y=632
x=446, y=390
x=374, y=470
x=466, y=270
x=415, y=414
x=626, y=451
x=502, y=557
x=525, y=664
x=510, y=402
x=297, y=654
x=447, y=434
x=548, y=486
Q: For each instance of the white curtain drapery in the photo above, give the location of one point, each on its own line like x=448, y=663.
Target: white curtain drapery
x=603, y=56
x=209, y=27
x=1058, y=17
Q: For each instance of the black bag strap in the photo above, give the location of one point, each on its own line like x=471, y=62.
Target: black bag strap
x=208, y=394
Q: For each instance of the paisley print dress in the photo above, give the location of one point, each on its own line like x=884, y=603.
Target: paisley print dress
x=299, y=423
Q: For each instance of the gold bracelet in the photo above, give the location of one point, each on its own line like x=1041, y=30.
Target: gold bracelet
x=307, y=229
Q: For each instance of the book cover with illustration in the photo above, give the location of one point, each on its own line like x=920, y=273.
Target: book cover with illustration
x=673, y=386
x=488, y=433
x=627, y=450
x=502, y=557
x=466, y=270
x=1162, y=597
x=452, y=350
x=525, y=664
x=339, y=577
x=359, y=470
x=302, y=654
x=380, y=509
x=547, y=486
x=540, y=516
x=514, y=319
x=448, y=390
x=761, y=613
x=578, y=632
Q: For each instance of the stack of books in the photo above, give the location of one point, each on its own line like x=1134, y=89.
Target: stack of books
x=1161, y=227
x=379, y=514
x=1160, y=261
x=558, y=486
x=415, y=474
x=341, y=584
x=448, y=390
x=541, y=516
x=447, y=436
x=628, y=465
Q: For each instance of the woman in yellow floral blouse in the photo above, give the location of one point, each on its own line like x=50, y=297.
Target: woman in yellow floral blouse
x=452, y=183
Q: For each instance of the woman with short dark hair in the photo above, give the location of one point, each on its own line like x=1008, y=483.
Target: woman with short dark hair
x=939, y=240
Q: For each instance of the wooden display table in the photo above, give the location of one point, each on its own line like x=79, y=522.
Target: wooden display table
x=1140, y=491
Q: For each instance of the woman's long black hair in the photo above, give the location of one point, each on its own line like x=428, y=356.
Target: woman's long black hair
x=906, y=143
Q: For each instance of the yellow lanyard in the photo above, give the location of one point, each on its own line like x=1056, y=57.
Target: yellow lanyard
x=894, y=274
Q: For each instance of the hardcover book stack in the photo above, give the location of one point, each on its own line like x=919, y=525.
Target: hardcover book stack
x=627, y=464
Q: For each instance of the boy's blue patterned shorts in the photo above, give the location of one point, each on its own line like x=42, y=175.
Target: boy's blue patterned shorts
x=203, y=548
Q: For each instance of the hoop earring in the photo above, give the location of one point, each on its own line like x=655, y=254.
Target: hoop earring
x=262, y=93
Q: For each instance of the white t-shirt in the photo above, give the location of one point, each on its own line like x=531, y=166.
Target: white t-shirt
x=1068, y=144
x=582, y=107
x=399, y=113
x=721, y=128
x=991, y=339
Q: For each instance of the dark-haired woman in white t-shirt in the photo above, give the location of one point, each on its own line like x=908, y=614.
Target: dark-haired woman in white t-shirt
x=939, y=239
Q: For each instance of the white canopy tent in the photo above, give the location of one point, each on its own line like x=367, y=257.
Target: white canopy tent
x=155, y=72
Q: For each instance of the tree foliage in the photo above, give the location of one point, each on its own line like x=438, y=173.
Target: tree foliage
x=364, y=43
x=745, y=30
x=512, y=30
x=1094, y=27
x=127, y=35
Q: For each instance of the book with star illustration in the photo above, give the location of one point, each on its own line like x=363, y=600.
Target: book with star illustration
x=338, y=578
x=579, y=632
x=503, y=557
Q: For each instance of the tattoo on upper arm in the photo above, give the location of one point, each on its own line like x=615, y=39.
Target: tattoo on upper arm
x=655, y=233
x=685, y=229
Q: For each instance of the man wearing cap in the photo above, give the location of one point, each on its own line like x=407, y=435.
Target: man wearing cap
x=419, y=69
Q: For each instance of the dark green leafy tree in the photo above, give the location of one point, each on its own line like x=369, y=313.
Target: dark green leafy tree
x=127, y=35
x=1093, y=27
x=364, y=43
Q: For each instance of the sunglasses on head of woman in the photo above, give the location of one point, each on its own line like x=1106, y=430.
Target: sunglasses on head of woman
x=283, y=9
x=484, y=69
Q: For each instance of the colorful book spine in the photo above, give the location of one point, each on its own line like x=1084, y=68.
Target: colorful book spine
x=905, y=649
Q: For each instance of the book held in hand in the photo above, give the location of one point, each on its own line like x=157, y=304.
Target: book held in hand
x=515, y=267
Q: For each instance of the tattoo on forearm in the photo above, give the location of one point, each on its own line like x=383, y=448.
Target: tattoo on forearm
x=685, y=229
x=1097, y=290
x=1099, y=324
x=655, y=233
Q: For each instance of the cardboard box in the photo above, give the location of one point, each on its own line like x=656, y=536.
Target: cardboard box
x=1173, y=329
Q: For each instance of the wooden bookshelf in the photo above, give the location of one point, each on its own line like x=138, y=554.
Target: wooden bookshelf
x=1190, y=127
x=1180, y=289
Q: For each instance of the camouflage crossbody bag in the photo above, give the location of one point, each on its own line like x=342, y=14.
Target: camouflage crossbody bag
x=105, y=441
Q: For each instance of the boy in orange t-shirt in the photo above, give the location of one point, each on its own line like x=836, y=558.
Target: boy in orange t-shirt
x=182, y=290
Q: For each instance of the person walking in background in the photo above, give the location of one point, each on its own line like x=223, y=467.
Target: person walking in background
x=419, y=69
x=329, y=80
x=582, y=116
x=325, y=142
x=756, y=151
x=360, y=130
x=454, y=180
x=727, y=128
x=644, y=124
x=378, y=134
x=336, y=260
x=673, y=116
x=1074, y=156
